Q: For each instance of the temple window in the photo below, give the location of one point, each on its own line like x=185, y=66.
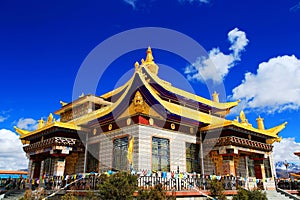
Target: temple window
x=251, y=171
x=160, y=154
x=192, y=157
x=120, y=147
x=267, y=168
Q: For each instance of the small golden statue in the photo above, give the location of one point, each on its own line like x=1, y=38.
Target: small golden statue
x=138, y=102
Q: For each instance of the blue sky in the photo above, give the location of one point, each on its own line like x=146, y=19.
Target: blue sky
x=43, y=43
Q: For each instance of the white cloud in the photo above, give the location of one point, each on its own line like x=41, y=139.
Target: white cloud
x=285, y=149
x=2, y=118
x=216, y=66
x=274, y=88
x=12, y=156
x=238, y=42
x=131, y=2
x=27, y=124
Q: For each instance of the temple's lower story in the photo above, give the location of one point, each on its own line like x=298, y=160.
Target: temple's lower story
x=152, y=129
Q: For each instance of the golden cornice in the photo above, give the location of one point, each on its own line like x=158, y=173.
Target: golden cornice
x=47, y=126
x=272, y=132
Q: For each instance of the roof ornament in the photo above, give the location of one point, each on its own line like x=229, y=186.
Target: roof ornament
x=243, y=117
x=136, y=65
x=138, y=102
x=149, y=62
x=215, y=96
x=20, y=131
x=149, y=57
x=82, y=95
x=62, y=103
x=41, y=123
x=50, y=119
x=260, y=123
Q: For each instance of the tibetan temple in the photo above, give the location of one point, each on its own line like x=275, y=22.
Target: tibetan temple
x=165, y=128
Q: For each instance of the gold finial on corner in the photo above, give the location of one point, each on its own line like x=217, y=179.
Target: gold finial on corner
x=142, y=61
x=149, y=57
x=136, y=65
x=82, y=95
x=62, y=103
x=41, y=123
x=260, y=123
x=215, y=96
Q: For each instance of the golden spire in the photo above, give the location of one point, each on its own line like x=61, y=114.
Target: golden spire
x=136, y=65
x=149, y=58
x=149, y=62
x=260, y=123
x=215, y=96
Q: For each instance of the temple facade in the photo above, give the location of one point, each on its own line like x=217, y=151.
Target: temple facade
x=148, y=124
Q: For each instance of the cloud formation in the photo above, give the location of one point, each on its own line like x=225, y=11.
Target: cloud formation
x=295, y=8
x=27, y=124
x=191, y=1
x=12, y=156
x=131, y=3
x=216, y=65
x=274, y=88
x=285, y=150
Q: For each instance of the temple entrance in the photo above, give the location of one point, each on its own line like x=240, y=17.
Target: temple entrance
x=37, y=170
x=258, y=172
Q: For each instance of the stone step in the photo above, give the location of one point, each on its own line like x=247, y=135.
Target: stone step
x=274, y=195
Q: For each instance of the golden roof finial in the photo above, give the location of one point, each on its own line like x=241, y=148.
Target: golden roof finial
x=243, y=117
x=82, y=95
x=149, y=58
x=41, y=123
x=136, y=65
x=260, y=123
x=215, y=96
x=50, y=119
x=62, y=103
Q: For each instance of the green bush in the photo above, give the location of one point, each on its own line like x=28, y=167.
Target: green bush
x=155, y=193
x=217, y=190
x=248, y=194
x=121, y=185
x=241, y=195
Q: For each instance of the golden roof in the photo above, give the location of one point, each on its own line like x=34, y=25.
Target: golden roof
x=244, y=124
x=24, y=133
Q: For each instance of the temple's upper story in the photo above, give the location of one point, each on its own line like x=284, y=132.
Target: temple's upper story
x=140, y=95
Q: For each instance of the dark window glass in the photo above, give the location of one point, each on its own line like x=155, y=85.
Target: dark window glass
x=251, y=170
x=120, y=149
x=160, y=154
x=267, y=168
x=192, y=157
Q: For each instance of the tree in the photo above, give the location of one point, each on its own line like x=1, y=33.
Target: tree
x=217, y=190
x=120, y=185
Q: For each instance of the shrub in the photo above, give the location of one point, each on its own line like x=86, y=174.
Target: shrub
x=217, y=190
x=118, y=186
x=155, y=193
